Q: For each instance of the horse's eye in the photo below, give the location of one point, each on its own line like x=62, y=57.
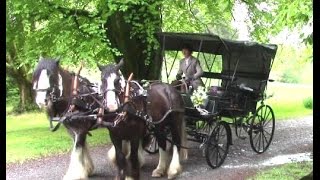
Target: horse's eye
x=117, y=80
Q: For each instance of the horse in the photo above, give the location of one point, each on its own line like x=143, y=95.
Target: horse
x=52, y=86
x=161, y=105
x=180, y=85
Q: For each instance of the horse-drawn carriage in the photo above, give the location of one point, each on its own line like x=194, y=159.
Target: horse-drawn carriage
x=243, y=80
x=239, y=96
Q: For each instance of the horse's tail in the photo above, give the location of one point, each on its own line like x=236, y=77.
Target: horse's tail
x=183, y=135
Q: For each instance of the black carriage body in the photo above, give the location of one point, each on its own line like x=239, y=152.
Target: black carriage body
x=245, y=71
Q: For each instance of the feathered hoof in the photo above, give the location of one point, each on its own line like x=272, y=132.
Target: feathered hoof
x=174, y=172
x=75, y=176
x=157, y=173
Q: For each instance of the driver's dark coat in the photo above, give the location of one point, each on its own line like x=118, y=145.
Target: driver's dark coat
x=192, y=71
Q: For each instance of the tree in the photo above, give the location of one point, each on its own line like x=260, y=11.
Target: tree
x=101, y=31
x=269, y=17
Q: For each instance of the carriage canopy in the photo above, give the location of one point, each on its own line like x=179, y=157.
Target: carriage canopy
x=246, y=61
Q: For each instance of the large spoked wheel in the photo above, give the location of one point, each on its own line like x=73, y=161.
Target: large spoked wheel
x=152, y=147
x=262, y=129
x=218, y=145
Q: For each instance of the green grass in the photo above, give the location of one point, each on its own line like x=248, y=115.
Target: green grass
x=291, y=171
x=28, y=137
x=287, y=101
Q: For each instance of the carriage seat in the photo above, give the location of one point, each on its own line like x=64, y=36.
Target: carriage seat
x=216, y=91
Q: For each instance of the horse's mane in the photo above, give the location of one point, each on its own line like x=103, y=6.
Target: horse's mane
x=49, y=64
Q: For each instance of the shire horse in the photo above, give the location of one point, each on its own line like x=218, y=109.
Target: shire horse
x=128, y=134
x=52, y=86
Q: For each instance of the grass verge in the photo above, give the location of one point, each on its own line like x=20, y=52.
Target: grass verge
x=287, y=100
x=28, y=137
x=289, y=171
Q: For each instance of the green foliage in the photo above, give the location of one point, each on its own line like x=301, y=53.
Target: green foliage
x=272, y=16
x=308, y=103
x=289, y=76
x=12, y=92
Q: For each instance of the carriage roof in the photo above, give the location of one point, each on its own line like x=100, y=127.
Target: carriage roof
x=243, y=59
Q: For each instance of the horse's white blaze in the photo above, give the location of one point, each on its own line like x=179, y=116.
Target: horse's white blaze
x=43, y=83
x=112, y=102
x=175, y=167
x=60, y=84
x=161, y=168
x=122, y=80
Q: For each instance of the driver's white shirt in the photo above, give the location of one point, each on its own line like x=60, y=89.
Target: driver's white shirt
x=187, y=60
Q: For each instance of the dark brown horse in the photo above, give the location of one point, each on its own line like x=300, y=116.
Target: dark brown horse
x=180, y=85
x=164, y=108
x=53, y=90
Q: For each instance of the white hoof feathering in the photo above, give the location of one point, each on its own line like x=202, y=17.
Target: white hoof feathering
x=112, y=154
x=175, y=167
x=140, y=155
x=129, y=178
x=76, y=168
x=126, y=149
x=88, y=164
x=161, y=168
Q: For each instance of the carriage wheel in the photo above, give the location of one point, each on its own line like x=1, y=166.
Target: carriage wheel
x=262, y=129
x=218, y=145
x=152, y=147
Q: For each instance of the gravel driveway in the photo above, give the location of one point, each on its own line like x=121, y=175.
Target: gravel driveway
x=293, y=141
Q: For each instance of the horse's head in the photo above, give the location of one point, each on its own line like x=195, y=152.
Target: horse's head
x=47, y=81
x=113, y=84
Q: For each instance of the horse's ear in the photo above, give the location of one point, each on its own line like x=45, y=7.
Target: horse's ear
x=120, y=64
x=100, y=67
x=58, y=61
x=41, y=58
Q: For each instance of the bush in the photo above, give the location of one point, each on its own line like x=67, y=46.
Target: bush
x=308, y=103
x=289, y=77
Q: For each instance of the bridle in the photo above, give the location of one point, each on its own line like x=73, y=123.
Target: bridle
x=52, y=92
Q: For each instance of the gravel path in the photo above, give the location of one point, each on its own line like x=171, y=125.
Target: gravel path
x=293, y=141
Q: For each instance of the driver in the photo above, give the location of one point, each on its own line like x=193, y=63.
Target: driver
x=190, y=67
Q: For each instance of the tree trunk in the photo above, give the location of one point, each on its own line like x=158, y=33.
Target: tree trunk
x=118, y=32
x=26, y=94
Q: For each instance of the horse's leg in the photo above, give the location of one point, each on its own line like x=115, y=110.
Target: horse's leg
x=88, y=164
x=176, y=127
x=120, y=158
x=140, y=154
x=125, y=150
x=183, y=135
x=134, y=172
x=163, y=156
x=77, y=167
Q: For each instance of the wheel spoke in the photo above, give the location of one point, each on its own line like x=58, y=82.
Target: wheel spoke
x=265, y=111
x=260, y=136
x=255, y=136
x=266, y=117
x=267, y=122
x=265, y=137
x=217, y=157
x=258, y=141
x=262, y=140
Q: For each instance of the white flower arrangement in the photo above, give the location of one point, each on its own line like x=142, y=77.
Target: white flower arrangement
x=199, y=96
